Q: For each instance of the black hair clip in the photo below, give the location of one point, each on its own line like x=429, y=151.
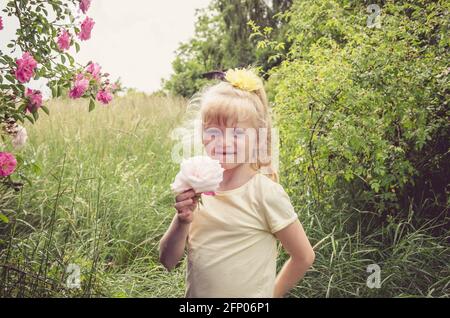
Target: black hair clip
x=214, y=75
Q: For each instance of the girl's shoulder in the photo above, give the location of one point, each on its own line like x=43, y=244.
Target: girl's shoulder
x=266, y=186
x=274, y=204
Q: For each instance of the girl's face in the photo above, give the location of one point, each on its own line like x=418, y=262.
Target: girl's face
x=232, y=146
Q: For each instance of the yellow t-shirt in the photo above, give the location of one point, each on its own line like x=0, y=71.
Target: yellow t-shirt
x=231, y=249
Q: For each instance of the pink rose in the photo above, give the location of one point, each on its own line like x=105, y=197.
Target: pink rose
x=104, y=96
x=84, y=5
x=8, y=164
x=25, y=67
x=86, y=28
x=1, y=23
x=34, y=99
x=80, y=87
x=64, y=40
x=94, y=70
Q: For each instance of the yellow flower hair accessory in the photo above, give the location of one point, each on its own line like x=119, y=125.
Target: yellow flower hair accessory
x=244, y=79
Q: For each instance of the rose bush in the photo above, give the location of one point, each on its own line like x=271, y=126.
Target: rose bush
x=40, y=50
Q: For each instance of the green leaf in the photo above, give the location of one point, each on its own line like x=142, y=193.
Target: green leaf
x=71, y=59
x=30, y=118
x=45, y=109
x=77, y=47
x=22, y=108
x=35, y=115
x=36, y=169
x=54, y=91
x=10, y=78
x=19, y=159
x=4, y=218
x=375, y=186
x=91, y=104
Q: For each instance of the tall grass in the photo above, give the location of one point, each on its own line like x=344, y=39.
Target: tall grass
x=101, y=200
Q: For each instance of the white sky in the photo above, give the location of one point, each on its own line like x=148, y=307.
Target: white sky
x=134, y=39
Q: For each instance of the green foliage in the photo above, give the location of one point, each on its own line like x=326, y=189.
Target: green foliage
x=223, y=40
x=106, y=202
x=40, y=24
x=101, y=203
x=363, y=112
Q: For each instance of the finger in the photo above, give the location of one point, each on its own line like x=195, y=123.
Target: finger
x=185, y=214
x=182, y=204
x=196, y=200
x=185, y=195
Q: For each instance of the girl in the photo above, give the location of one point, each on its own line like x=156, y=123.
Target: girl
x=231, y=237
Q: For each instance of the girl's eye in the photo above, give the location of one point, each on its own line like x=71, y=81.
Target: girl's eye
x=239, y=132
x=209, y=133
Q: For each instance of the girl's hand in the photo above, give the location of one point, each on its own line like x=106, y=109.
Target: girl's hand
x=185, y=205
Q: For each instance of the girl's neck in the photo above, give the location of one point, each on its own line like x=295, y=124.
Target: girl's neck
x=234, y=178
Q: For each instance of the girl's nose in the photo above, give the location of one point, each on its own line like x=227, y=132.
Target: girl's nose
x=222, y=143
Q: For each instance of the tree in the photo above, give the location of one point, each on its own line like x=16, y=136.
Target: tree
x=222, y=41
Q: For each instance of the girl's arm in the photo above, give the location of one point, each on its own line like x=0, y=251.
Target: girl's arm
x=172, y=244
x=296, y=244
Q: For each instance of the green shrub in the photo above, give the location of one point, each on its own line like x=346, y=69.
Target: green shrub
x=363, y=111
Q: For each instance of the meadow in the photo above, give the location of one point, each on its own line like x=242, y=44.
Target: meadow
x=100, y=198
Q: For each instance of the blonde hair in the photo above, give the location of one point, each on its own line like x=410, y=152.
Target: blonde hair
x=225, y=104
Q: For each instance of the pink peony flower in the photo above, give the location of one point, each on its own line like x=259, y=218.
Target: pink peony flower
x=1, y=23
x=80, y=87
x=64, y=40
x=94, y=70
x=104, y=96
x=201, y=173
x=25, y=67
x=84, y=5
x=8, y=164
x=34, y=99
x=86, y=28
